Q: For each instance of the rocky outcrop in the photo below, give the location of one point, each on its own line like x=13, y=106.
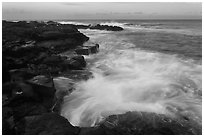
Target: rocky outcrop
x=143, y=123
x=106, y=27
x=22, y=31
x=30, y=61
x=87, y=49
x=46, y=124
x=100, y=27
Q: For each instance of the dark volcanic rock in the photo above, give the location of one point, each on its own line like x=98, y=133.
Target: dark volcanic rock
x=30, y=59
x=44, y=88
x=106, y=27
x=94, y=48
x=28, y=108
x=76, y=62
x=143, y=123
x=52, y=60
x=83, y=51
x=100, y=27
x=19, y=32
x=21, y=74
x=46, y=124
x=7, y=128
x=80, y=59
x=87, y=48
x=78, y=75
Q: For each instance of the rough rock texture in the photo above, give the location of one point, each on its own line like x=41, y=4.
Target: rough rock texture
x=30, y=61
x=100, y=27
x=46, y=124
x=143, y=123
x=31, y=90
x=106, y=27
x=87, y=49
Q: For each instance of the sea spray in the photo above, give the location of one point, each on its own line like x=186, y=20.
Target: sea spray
x=127, y=79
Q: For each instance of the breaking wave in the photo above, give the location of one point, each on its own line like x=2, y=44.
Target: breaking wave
x=127, y=79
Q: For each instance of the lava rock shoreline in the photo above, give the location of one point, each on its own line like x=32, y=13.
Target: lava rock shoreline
x=31, y=60
x=32, y=56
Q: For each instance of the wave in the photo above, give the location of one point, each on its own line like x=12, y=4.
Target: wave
x=141, y=26
x=73, y=22
x=127, y=79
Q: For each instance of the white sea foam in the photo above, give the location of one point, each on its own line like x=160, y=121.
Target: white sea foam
x=128, y=79
x=72, y=22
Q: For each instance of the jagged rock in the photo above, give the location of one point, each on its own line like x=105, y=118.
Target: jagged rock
x=94, y=48
x=46, y=124
x=76, y=62
x=83, y=51
x=106, y=27
x=78, y=75
x=31, y=52
x=100, y=27
x=88, y=48
x=64, y=86
x=143, y=123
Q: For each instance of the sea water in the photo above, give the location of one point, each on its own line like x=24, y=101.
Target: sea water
x=150, y=66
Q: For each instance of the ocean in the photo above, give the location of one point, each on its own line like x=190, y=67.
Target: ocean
x=150, y=66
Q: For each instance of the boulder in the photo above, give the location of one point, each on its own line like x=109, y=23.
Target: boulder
x=80, y=59
x=143, y=123
x=78, y=75
x=87, y=48
x=94, y=48
x=64, y=86
x=83, y=51
x=46, y=124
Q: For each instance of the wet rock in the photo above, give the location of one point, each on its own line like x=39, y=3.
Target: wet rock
x=106, y=27
x=46, y=124
x=80, y=59
x=78, y=75
x=94, y=48
x=82, y=26
x=30, y=56
x=75, y=62
x=87, y=48
x=64, y=86
x=100, y=27
x=143, y=123
x=83, y=51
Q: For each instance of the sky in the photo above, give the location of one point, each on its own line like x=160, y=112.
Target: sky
x=100, y=10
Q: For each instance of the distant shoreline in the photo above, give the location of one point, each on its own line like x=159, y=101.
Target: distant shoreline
x=104, y=20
